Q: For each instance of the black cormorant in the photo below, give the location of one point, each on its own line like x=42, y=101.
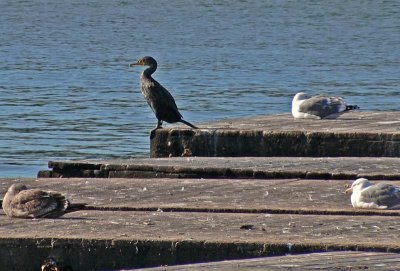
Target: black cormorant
x=160, y=100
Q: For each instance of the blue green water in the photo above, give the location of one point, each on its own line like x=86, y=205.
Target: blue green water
x=67, y=92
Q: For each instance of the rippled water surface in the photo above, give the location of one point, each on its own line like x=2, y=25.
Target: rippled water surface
x=67, y=91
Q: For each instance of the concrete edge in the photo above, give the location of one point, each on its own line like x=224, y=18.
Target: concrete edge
x=86, y=170
x=93, y=254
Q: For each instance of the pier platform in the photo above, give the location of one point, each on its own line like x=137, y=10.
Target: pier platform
x=374, y=168
x=131, y=223
x=369, y=134
x=269, y=187
x=343, y=260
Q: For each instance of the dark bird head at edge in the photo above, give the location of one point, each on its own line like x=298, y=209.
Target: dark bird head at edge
x=144, y=61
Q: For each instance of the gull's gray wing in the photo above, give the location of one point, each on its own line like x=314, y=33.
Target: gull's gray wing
x=382, y=194
x=323, y=106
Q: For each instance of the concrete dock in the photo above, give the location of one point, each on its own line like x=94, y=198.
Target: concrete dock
x=370, y=134
x=346, y=260
x=152, y=212
x=374, y=168
x=153, y=222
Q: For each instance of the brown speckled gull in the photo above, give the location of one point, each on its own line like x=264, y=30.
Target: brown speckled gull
x=21, y=202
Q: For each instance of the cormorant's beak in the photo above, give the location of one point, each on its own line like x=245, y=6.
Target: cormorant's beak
x=349, y=190
x=138, y=63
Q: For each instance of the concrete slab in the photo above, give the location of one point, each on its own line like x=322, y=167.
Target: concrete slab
x=98, y=240
x=338, y=260
x=209, y=195
x=370, y=134
x=150, y=222
x=232, y=167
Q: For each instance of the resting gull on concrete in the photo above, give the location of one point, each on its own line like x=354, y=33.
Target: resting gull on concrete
x=376, y=196
x=21, y=202
x=319, y=107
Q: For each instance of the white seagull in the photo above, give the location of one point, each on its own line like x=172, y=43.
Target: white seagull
x=376, y=196
x=319, y=107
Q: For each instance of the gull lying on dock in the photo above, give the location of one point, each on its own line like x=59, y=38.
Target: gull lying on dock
x=21, y=202
x=376, y=196
x=319, y=107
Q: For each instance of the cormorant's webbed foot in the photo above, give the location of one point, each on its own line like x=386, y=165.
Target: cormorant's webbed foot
x=159, y=126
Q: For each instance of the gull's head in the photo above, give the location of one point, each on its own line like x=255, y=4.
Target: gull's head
x=358, y=185
x=16, y=188
x=300, y=96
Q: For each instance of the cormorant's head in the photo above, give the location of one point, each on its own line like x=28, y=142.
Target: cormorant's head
x=145, y=61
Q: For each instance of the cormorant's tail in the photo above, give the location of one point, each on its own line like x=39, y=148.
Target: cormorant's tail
x=351, y=107
x=188, y=124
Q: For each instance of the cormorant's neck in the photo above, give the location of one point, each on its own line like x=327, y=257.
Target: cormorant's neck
x=150, y=70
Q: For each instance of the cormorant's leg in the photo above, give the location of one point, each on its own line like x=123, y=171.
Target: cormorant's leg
x=159, y=123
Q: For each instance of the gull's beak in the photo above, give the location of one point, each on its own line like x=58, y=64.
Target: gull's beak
x=349, y=190
x=138, y=63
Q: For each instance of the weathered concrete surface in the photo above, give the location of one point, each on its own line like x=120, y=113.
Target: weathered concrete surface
x=208, y=195
x=151, y=222
x=92, y=240
x=232, y=167
x=338, y=260
x=371, y=134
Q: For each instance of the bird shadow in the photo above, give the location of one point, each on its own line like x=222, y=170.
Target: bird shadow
x=75, y=218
